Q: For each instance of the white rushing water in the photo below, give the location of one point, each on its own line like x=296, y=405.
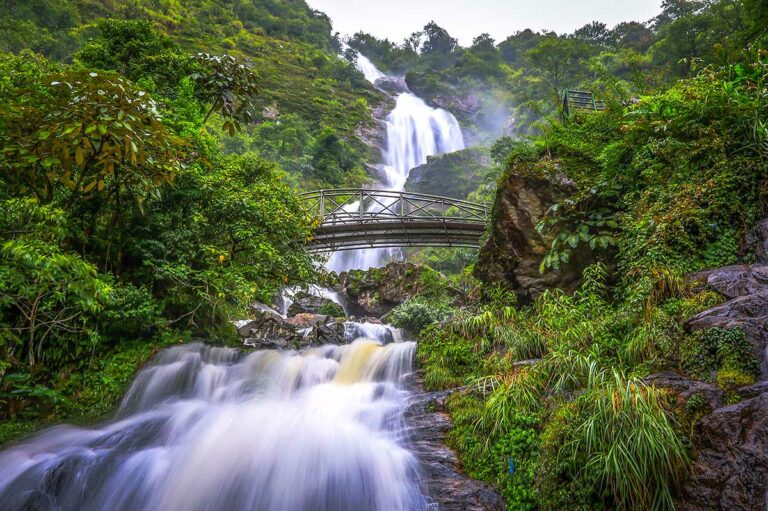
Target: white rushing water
x=217, y=429
x=414, y=131
x=207, y=428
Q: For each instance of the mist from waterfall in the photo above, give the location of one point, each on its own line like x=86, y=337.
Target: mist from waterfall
x=211, y=429
x=414, y=131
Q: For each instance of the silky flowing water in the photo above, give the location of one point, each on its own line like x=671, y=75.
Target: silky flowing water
x=207, y=428
x=414, y=131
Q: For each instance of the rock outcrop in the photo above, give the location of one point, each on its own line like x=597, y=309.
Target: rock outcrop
x=452, y=175
x=392, y=84
x=746, y=288
x=513, y=252
x=682, y=388
x=730, y=468
x=267, y=329
x=730, y=471
x=376, y=291
x=308, y=303
x=444, y=482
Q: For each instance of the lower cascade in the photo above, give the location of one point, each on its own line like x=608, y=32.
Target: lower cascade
x=210, y=428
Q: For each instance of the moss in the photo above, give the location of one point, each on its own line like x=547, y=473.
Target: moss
x=505, y=459
x=715, y=349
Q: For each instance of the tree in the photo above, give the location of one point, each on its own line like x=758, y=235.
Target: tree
x=595, y=33
x=227, y=86
x=87, y=133
x=45, y=292
x=633, y=35
x=437, y=40
x=137, y=50
x=559, y=60
x=483, y=44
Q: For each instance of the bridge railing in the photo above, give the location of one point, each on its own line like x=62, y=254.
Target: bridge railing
x=359, y=206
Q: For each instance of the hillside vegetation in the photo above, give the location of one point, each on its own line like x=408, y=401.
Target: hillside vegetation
x=150, y=154
x=309, y=103
x=147, y=152
x=558, y=411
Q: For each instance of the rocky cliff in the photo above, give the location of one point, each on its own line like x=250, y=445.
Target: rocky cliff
x=451, y=175
x=514, y=248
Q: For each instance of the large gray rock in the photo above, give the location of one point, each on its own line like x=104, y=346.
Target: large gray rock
x=269, y=330
x=683, y=388
x=730, y=470
x=392, y=84
x=738, y=280
x=376, y=291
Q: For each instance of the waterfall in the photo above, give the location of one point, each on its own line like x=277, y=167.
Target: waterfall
x=211, y=429
x=369, y=70
x=414, y=131
x=207, y=428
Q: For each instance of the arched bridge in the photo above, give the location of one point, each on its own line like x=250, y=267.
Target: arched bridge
x=354, y=218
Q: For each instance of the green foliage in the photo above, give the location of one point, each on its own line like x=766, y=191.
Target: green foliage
x=620, y=443
x=487, y=456
x=48, y=296
x=96, y=136
x=418, y=313
x=227, y=86
x=600, y=439
x=137, y=50
x=122, y=218
x=332, y=309
x=287, y=44
x=665, y=182
x=719, y=350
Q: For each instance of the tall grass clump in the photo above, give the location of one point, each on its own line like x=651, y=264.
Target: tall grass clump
x=628, y=443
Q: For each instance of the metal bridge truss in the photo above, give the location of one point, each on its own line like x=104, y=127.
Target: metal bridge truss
x=350, y=218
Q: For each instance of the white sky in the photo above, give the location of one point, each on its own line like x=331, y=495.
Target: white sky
x=465, y=19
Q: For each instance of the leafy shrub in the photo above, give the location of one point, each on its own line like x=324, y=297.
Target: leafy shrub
x=132, y=312
x=449, y=360
x=622, y=444
x=418, y=313
x=717, y=349
x=332, y=309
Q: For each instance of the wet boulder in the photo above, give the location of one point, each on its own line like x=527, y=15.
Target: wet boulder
x=392, y=84
x=376, y=291
x=682, y=388
x=747, y=310
x=304, y=303
x=738, y=280
x=730, y=469
x=447, y=487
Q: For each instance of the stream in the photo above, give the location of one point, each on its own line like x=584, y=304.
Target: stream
x=328, y=428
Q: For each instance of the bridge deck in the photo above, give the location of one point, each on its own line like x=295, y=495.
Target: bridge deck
x=350, y=219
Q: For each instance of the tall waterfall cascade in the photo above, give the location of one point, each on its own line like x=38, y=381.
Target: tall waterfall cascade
x=414, y=131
